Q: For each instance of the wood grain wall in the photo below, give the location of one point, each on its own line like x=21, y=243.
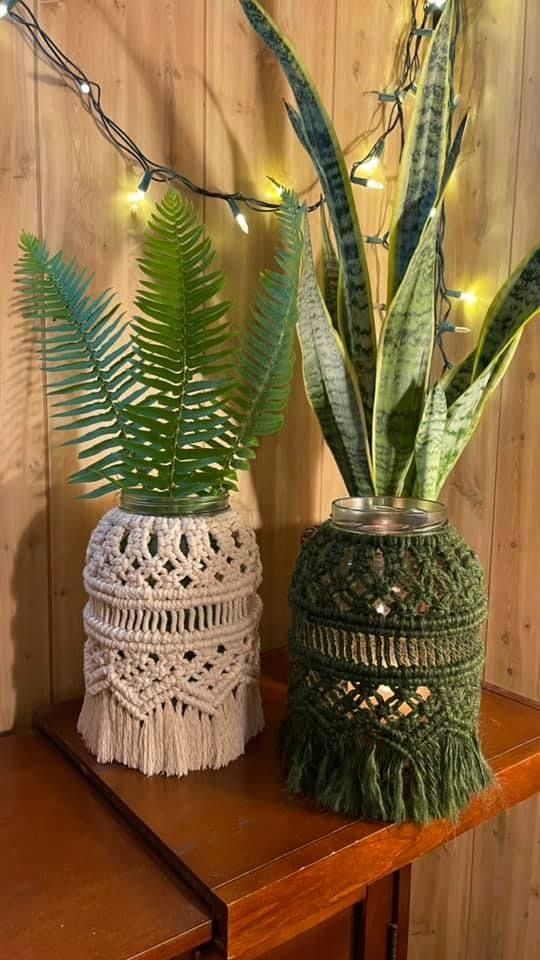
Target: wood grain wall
x=193, y=86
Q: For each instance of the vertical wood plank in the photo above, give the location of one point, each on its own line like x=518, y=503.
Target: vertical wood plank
x=247, y=138
x=365, y=61
x=24, y=631
x=505, y=913
x=150, y=69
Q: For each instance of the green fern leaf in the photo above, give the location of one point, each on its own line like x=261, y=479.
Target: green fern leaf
x=81, y=337
x=266, y=353
x=182, y=354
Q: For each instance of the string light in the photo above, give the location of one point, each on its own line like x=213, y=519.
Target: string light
x=238, y=216
x=85, y=87
x=435, y=6
x=368, y=182
x=372, y=161
x=4, y=9
x=467, y=296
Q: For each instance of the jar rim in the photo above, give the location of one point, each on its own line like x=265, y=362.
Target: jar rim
x=156, y=504
x=387, y=516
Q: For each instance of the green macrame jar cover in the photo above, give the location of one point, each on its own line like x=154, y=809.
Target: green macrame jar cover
x=385, y=680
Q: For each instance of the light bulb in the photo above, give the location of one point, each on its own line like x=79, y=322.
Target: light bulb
x=84, y=87
x=242, y=222
x=367, y=182
x=433, y=213
x=467, y=296
x=462, y=330
x=4, y=10
x=238, y=215
x=137, y=195
x=438, y=4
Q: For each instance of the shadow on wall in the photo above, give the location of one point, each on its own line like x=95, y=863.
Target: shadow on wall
x=26, y=674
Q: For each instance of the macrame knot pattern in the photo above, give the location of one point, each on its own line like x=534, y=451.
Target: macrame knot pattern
x=386, y=665
x=171, y=659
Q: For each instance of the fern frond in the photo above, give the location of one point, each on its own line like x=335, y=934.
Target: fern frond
x=182, y=355
x=266, y=349
x=82, y=350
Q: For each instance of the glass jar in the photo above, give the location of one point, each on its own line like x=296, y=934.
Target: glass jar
x=171, y=658
x=386, y=663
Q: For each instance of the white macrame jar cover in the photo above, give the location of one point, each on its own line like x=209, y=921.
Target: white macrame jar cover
x=171, y=659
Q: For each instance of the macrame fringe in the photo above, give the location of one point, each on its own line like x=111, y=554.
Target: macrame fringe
x=171, y=740
x=379, y=780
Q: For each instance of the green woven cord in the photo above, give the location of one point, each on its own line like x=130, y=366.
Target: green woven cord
x=386, y=666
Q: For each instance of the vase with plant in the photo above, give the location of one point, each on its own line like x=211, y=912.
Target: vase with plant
x=167, y=411
x=387, y=599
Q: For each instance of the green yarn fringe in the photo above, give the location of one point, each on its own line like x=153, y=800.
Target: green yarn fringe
x=378, y=779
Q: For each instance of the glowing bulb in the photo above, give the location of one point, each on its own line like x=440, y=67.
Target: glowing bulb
x=4, y=10
x=462, y=330
x=84, y=87
x=242, y=222
x=137, y=195
x=466, y=296
x=433, y=213
x=238, y=215
x=438, y=4
x=279, y=188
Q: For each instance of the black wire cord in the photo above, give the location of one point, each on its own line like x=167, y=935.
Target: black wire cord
x=406, y=84
x=56, y=57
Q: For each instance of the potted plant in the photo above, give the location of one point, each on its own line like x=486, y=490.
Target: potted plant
x=166, y=414
x=387, y=599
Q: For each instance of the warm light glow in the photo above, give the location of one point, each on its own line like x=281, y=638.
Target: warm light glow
x=369, y=166
x=462, y=330
x=374, y=184
x=242, y=222
x=85, y=87
x=238, y=215
x=468, y=296
x=438, y=4
x=4, y=9
x=136, y=196
x=433, y=213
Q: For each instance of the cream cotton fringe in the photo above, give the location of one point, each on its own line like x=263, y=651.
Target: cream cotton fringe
x=171, y=659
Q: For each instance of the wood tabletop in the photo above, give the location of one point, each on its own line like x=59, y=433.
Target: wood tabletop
x=255, y=853
x=76, y=881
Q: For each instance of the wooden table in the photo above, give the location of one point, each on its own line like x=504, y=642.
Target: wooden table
x=282, y=879
x=76, y=882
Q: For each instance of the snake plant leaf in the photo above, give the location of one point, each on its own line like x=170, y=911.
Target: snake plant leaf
x=516, y=303
x=424, y=158
x=456, y=380
x=403, y=366
x=465, y=413
x=332, y=283
x=331, y=384
x=84, y=334
x=266, y=351
x=316, y=132
x=428, y=444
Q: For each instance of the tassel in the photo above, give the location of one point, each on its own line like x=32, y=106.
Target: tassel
x=171, y=740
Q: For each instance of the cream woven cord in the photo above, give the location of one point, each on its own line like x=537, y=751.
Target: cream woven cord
x=171, y=659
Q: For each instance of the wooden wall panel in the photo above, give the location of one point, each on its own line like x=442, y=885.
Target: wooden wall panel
x=478, y=258
x=196, y=89
x=248, y=138
x=24, y=636
x=148, y=70
x=505, y=914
